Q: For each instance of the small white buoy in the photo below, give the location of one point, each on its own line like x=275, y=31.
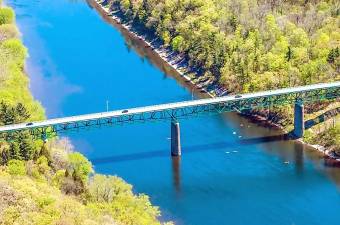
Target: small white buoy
x=239, y=136
x=227, y=152
x=286, y=162
x=234, y=132
x=235, y=151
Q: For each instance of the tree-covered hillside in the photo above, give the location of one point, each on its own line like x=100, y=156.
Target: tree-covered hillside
x=247, y=45
x=59, y=187
x=44, y=183
x=16, y=102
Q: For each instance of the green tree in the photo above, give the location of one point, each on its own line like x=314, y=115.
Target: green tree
x=333, y=55
x=14, y=150
x=79, y=167
x=6, y=15
x=107, y=188
x=42, y=164
x=177, y=43
x=16, y=167
x=26, y=145
x=289, y=54
x=15, y=51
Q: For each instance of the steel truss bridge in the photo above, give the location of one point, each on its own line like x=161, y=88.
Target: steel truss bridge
x=179, y=110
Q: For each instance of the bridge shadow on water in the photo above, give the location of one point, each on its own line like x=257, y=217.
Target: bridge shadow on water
x=176, y=161
x=190, y=149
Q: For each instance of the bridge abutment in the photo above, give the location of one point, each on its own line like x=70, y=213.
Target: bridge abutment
x=175, y=138
x=299, y=124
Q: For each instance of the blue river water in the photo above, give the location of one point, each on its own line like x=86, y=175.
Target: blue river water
x=232, y=171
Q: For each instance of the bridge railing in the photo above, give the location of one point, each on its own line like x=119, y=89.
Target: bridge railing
x=180, y=110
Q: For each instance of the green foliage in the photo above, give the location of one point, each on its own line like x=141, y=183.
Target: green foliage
x=14, y=50
x=14, y=151
x=29, y=201
x=112, y=195
x=247, y=45
x=308, y=136
x=17, y=104
x=16, y=167
x=42, y=164
x=79, y=167
x=52, y=170
x=329, y=138
x=177, y=43
x=58, y=178
x=333, y=55
x=11, y=115
x=130, y=210
x=108, y=188
x=32, y=170
x=6, y=15
x=21, y=147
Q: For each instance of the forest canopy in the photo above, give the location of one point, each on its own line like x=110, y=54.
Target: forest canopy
x=247, y=45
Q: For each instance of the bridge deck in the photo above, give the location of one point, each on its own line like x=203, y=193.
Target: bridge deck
x=172, y=106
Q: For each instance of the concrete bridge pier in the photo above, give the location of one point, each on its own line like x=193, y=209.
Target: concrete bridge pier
x=299, y=124
x=175, y=138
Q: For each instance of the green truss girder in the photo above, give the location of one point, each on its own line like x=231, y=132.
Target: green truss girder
x=185, y=112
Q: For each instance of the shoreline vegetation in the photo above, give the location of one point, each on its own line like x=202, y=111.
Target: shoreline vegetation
x=44, y=183
x=135, y=17
x=51, y=183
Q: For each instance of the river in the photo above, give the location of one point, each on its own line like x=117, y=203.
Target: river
x=232, y=171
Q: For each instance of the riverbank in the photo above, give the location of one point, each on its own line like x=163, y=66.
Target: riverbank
x=179, y=63
x=39, y=180
x=174, y=60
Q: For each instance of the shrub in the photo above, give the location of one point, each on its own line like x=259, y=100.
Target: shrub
x=8, y=31
x=71, y=186
x=79, y=167
x=6, y=15
x=58, y=178
x=32, y=170
x=16, y=167
x=45, y=201
x=106, y=188
x=42, y=164
x=308, y=136
x=14, y=50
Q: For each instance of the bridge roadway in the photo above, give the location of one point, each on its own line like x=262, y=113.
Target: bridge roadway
x=174, y=111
